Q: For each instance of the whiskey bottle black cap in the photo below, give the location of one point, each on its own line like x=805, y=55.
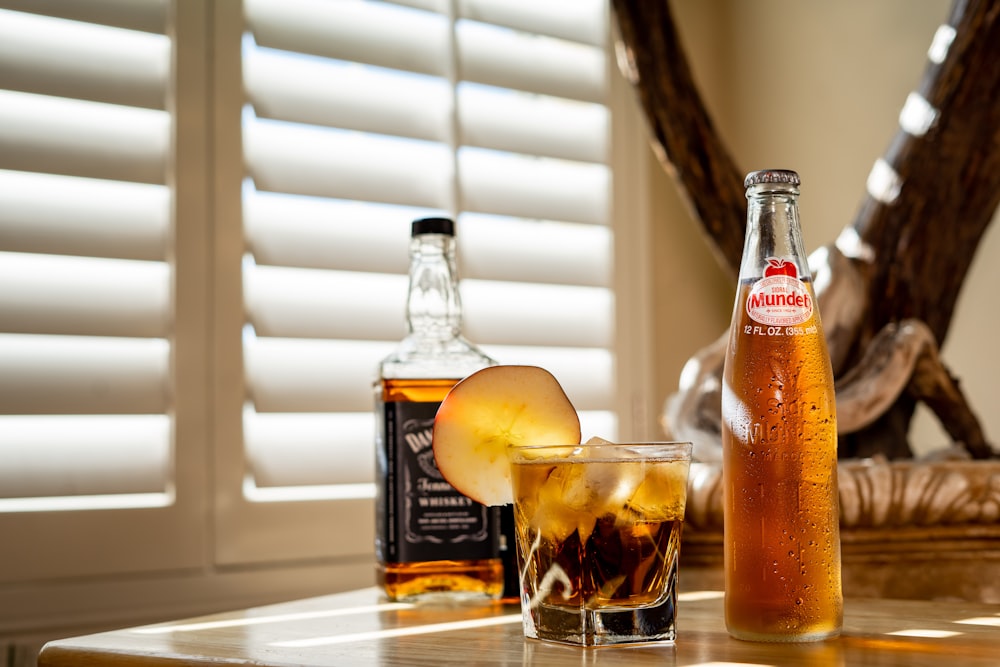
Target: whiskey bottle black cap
x=444, y=226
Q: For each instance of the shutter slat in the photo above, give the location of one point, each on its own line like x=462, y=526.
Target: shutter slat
x=498, y=248
x=145, y=15
x=297, y=449
x=311, y=232
x=72, y=59
x=53, y=294
x=304, y=375
x=43, y=213
x=301, y=375
x=347, y=95
x=535, y=124
x=77, y=138
x=538, y=315
x=81, y=375
x=63, y=455
x=349, y=165
x=368, y=32
x=306, y=303
x=530, y=62
x=528, y=187
x=574, y=20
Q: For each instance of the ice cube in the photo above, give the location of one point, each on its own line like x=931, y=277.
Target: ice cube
x=564, y=505
x=570, y=484
x=598, y=488
x=609, y=450
x=661, y=495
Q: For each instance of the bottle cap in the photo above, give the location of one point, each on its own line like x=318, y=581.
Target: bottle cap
x=444, y=226
x=771, y=176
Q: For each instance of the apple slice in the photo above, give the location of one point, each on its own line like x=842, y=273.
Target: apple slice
x=493, y=409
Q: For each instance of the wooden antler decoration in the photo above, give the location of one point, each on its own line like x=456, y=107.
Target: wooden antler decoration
x=887, y=286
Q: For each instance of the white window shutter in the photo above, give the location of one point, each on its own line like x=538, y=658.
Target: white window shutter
x=358, y=118
x=87, y=305
x=204, y=222
x=83, y=335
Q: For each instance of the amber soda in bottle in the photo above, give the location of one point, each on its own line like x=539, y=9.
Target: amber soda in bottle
x=779, y=436
x=430, y=540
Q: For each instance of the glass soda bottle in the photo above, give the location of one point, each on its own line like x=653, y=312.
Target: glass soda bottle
x=430, y=540
x=779, y=435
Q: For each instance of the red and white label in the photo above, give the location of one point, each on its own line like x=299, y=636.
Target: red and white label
x=779, y=298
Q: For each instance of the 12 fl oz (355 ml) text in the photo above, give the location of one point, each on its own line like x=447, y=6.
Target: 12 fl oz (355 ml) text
x=753, y=330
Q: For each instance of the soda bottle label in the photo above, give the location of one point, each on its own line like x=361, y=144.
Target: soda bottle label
x=779, y=298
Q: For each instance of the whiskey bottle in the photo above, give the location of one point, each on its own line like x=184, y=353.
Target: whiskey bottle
x=430, y=540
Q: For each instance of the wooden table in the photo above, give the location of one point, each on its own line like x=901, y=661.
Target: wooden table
x=357, y=629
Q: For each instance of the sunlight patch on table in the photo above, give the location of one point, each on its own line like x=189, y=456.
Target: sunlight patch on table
x=923, y=632
x=275, y=618
x=982, y=620
x=694, y=596
x=401, y=632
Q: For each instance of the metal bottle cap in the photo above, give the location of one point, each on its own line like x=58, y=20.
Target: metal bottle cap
x=444, y=226
x=771, y=176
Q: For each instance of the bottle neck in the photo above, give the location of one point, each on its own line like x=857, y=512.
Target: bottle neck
x=772, y=230
x=433, y=309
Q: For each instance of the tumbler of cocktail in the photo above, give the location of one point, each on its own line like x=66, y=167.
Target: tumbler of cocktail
x=598, y=539
x=598, y=524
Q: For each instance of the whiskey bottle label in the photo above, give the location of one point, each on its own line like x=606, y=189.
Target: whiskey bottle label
x=429, y=519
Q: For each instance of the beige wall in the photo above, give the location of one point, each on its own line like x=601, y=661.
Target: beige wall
x=816, y=87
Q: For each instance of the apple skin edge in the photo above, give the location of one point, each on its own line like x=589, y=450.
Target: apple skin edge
x=493, y=409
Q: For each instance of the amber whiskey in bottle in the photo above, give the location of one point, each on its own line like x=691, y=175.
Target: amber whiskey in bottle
x=430, y=540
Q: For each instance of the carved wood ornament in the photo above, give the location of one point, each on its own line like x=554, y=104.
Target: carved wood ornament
x=887, y=286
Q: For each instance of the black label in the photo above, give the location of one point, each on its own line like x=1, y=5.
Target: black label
x=421, y=516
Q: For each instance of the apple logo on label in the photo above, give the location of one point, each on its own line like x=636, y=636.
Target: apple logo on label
x=778, y=266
